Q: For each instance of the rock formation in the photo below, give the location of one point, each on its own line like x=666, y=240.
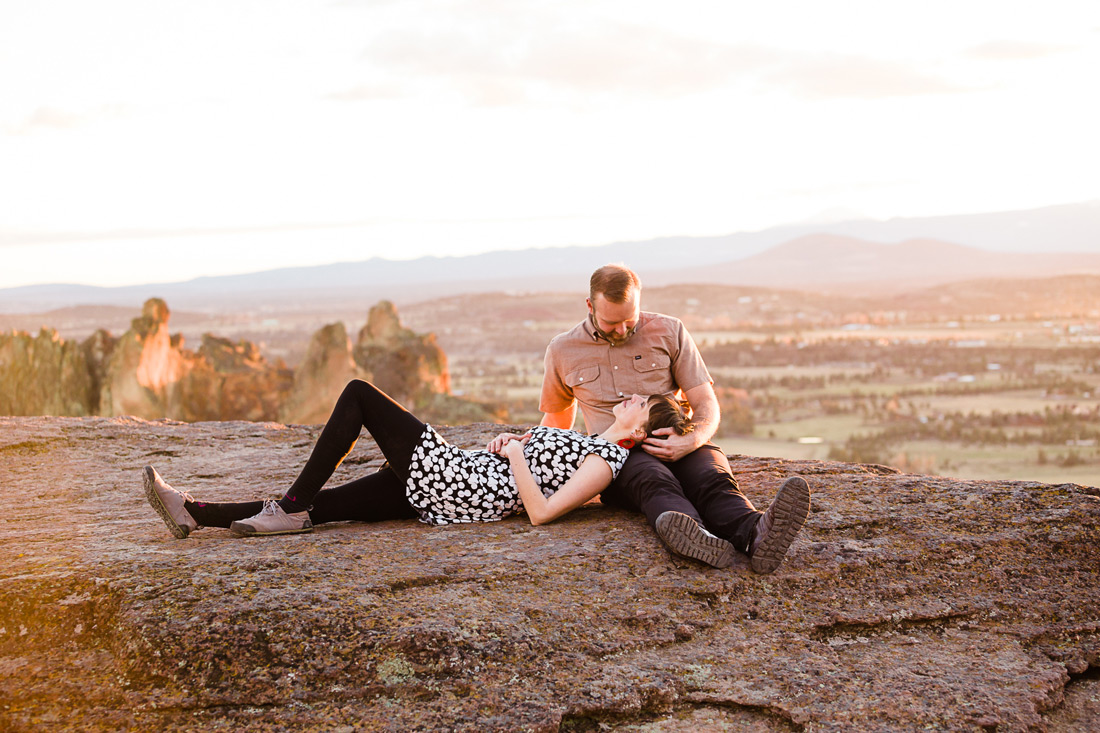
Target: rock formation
x=45, y=375
x=231, y=380
x=408, y=366
x=146, y=372
x=908, y=603
x=145, y=366
x=321, y=376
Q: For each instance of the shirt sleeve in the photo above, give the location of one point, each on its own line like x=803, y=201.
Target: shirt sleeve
x=593, y=445
x=614, y=455
x=556, y=396
x=688, y=368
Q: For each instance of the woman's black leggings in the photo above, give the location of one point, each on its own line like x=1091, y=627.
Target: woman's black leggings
x=372, y=498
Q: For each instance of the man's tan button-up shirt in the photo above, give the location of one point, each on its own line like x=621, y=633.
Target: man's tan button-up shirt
x=581, y=366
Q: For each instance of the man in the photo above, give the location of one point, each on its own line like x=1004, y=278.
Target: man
x=682, y=483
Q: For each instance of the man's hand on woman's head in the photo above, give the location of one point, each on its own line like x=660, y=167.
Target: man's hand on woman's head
x=666, y=445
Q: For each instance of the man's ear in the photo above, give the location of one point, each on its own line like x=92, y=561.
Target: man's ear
x=588, y=302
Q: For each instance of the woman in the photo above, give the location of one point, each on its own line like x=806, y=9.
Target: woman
x=547, y=472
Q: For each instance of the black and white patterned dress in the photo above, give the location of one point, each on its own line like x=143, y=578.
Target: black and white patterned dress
x=448, y=485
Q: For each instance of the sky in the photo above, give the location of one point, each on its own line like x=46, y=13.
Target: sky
x=160, y=141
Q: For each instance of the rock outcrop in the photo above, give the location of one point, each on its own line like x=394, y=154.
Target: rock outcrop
x=321, y=376
x=408, y=366
x=231, y=380
x=145, y=366
x=151, y=374
x=908, y=603
x=147, y=372
x=45, y=375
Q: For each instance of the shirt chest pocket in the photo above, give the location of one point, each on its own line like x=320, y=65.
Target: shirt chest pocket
x=583, y=379
x=653, y=374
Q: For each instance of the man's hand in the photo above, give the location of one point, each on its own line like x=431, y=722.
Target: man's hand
x=665, y=445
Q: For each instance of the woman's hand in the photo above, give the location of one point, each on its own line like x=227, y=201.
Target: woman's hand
x=497, y=444
x=514, y=448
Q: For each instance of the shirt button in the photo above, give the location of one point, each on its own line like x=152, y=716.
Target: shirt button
x=654, y=364
x=620, y=394
x=616, y=367
x=581, y=379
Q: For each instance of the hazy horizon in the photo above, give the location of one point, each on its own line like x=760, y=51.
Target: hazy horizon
x=146, y=143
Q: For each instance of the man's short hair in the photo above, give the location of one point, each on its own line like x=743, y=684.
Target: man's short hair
x=614, y=282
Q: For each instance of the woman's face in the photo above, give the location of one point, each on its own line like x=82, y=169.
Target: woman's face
x=633, y=412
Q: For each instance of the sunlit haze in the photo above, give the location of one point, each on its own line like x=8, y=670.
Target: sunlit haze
x=145, y=142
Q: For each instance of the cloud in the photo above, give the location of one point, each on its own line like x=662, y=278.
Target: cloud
x=510, y=63
x=45, y=118
x=366, y=93
x=618, y=58
x=49, y=118
x=12, y=238
x=836, y=76
x=640, y=60
x=833, y=189
x=1014, y=50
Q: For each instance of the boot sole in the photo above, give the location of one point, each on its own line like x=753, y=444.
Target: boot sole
x=792, y=506
x=149, y=480
x=245, y=531
x=686, y=538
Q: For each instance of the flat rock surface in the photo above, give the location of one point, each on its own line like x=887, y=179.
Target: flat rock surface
x=908, y=603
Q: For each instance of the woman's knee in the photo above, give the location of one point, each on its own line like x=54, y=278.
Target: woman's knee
x=359, y=389
x=357, y=385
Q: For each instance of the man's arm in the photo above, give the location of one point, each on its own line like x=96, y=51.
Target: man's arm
x=563, y=419
x=705, y=417
x=555, y=393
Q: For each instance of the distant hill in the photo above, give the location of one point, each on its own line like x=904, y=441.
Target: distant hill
x=860, y=256
x=832, y=263
x=466, y=323
x=83, y=320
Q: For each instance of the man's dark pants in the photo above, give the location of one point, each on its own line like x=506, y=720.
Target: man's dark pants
x=700, y=485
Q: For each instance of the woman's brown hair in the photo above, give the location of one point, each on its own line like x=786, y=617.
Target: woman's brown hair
x=666, y=412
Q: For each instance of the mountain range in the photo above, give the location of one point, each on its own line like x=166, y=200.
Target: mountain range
x=854, y=257
x=834, y=264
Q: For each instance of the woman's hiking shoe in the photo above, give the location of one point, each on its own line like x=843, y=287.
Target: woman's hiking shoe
x=776, y=530
x=686, y=538
x=168, y=503
x=272, y=520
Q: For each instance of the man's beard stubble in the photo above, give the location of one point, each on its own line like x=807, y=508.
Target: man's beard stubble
x=614, y=339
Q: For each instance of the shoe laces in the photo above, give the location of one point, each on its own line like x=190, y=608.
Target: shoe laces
x=271, y=507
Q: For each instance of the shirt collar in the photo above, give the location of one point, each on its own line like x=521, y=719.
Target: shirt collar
x=590, y=328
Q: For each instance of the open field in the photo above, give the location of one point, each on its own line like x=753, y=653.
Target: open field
x=969, y=397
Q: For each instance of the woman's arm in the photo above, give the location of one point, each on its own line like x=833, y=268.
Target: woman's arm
x=591, y=478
